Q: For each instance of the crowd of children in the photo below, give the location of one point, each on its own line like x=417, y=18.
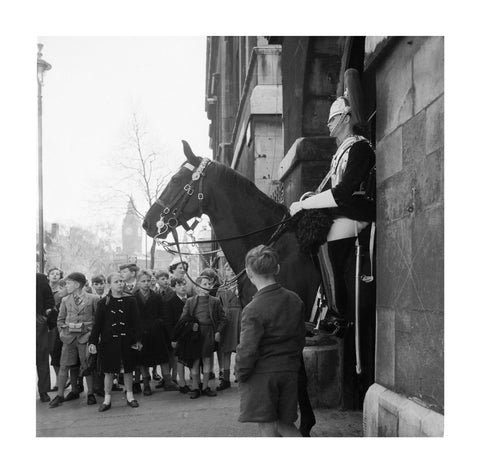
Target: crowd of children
x=118, y=336
x=113, y=332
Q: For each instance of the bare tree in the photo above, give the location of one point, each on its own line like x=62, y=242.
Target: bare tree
x=144, y=169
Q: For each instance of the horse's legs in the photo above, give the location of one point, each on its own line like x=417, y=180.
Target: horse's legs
x=307, y=417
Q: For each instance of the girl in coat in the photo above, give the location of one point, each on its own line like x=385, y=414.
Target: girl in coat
x=117, y=333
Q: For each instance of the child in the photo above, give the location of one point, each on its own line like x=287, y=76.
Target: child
x=211, y=320
x=164, y=289
x=129, y=272
x=98, y=284
x=271, y=342
x=231, y=335
x=75, y=321
x=174, y=309
x=155, y=341
x=117, y=326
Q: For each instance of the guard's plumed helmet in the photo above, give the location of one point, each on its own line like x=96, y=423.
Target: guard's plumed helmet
x=341, y=106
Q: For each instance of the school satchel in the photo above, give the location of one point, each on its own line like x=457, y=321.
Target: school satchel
x=75, y=327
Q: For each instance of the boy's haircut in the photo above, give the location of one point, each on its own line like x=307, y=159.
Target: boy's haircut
x=99, y=278
x=262, y=260
x=55, y=269
x=162, y=273
x=144, y=272
x=175, y=281
x=111, y=275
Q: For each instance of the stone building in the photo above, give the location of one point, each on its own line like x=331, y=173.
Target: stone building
x=268, y=100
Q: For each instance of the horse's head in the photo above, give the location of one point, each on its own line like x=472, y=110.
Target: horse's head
x=181, y=200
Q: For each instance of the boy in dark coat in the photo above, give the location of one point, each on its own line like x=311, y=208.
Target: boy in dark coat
x=155, y=339
x=271, y=342
x=174, y=309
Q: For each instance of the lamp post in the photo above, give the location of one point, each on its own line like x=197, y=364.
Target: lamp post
x=42, y=67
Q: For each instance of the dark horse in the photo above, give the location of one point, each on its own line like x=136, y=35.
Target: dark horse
x=237, y=207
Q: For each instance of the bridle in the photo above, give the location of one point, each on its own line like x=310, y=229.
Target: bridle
x=171, y=215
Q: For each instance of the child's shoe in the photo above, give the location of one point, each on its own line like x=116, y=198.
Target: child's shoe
x=195, y=394
x=208, y=392
x=224, y=384
x=57, y=401
x=91, y=399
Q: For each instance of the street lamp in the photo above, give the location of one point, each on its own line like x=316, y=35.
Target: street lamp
x=42, y=67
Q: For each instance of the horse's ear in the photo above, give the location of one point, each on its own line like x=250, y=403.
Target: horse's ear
x=195, y=160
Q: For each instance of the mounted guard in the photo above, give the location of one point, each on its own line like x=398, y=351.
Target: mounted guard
x=347, y=194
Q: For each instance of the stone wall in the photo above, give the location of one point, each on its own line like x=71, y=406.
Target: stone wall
x=410, y=217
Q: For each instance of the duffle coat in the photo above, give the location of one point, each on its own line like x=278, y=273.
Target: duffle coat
x=117, y=327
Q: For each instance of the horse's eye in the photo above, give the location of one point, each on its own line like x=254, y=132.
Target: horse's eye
x=174, y=180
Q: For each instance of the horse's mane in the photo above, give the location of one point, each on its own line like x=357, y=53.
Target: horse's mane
x=244, y=185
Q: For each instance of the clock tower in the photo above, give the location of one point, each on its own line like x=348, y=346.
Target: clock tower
x=131, y=232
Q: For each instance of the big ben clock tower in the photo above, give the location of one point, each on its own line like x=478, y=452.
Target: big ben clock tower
x=131, y=232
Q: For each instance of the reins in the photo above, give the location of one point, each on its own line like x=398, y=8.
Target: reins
x=175, y=217
x=280, y=226
x=237, y=237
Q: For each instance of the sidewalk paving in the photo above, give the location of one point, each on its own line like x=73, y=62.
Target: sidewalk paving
x=171, y=414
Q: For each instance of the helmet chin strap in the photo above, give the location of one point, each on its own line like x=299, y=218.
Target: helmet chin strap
x=344, y=114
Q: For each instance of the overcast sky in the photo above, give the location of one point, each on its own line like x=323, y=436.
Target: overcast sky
x=89, y=95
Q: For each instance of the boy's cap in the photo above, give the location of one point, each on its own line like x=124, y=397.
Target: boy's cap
x=98, y=279
x=210, y=273
x=77, y=277
x=202, y=277
x=130, y=266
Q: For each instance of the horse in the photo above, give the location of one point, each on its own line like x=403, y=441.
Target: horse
x=236, y=207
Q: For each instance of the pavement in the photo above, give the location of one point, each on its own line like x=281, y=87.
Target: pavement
x=171, y=414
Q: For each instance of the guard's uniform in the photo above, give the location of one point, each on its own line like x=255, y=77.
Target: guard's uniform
x=349, y=171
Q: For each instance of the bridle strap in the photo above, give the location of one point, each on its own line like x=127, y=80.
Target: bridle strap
x=181, y=199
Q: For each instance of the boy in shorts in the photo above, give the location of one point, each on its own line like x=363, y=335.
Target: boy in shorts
x=271, y=342
x=75, y=322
